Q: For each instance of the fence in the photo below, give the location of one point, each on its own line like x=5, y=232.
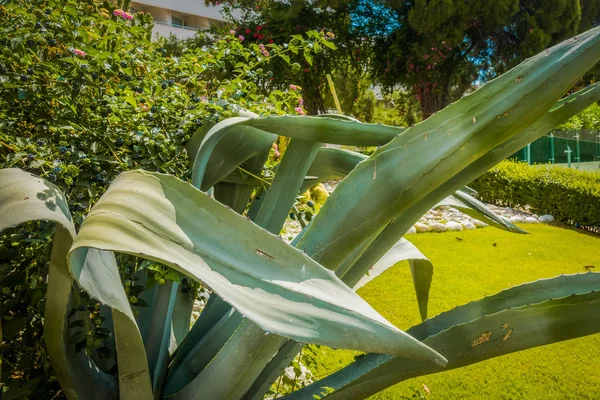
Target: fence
x=563, y=147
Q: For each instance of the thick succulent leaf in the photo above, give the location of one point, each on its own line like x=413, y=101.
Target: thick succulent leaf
x=273, y=370
x=213, y=312
x=281, y=195
x=560, y=112
x=526, y=316
x=338, y=116
x=331, y=163
x=182, y=313
x=195, y=141
x=224, y=147
x=421, y=269
x=401, y=251
x=25, y=197
x=206, y=343
x=97, y=273
x=403, y=172
x=476, y=209
x=232, y=371
x=281, y=289
x=159, y=338
x=327, y=130
x=237, y=195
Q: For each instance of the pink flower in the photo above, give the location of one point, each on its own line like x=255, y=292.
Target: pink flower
x=232, y=32
x=300, y=101
x=261, y=47
x=277, y=154
x=128, y=16
x=118, y=13
x=299, y=110
x=265, y=53
x=241, y=38
x=293, y=87
x=275, y=147
x=78, y=52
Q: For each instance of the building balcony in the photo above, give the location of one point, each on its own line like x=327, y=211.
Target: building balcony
x=181, y=32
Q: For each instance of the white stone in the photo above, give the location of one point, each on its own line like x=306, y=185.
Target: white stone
x=546, y=218
x=453, y=226
x=517, y=219
x=479, y=224
x=421, y=228
x=468, y=225
x=412, y=229
x=437, y=227
x=531, y=220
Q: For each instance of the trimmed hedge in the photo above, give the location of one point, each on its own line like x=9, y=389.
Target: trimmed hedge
x=570, y=195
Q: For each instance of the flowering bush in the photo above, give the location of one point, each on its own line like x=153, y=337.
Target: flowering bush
x=84, y=95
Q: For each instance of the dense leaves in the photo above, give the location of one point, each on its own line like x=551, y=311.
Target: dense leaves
x=569, y=195
x=84, y=95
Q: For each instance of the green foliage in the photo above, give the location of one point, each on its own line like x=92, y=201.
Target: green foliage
x=587, y=119
x=268, y=296
x=85, y=95
x=441, y=47
x=275, y=22
x=569, y=195
x=552, y=372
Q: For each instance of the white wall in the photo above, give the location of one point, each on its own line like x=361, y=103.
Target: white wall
x=194, y=7
x=166, y=30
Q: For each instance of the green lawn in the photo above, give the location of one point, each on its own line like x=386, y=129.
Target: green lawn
x=470, y=269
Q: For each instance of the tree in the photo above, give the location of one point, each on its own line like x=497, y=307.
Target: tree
x=441, y=47
x=276, y=22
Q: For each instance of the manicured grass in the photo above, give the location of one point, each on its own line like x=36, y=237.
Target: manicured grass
x=468, y=270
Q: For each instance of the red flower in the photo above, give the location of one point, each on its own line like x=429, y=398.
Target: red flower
x=260, y=37
x=258, y=28
x=248, y=31
x=270, y=40
x=306, y=70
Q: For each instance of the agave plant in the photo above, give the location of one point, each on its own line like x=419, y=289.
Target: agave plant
x=269, y=297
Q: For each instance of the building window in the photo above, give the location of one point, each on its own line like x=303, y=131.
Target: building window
x=176, y=21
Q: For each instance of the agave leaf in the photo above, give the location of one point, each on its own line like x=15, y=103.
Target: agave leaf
x=227, y=144
x=401, y=251
x=214, y=310
x=526, y=316
x=206, y=342
x=97, y=273
x=281, y=195
x=560, y=112
x=25, y=197
x=327, y=130
x=476, y=209
x=182, y=313
x=163, y=219
x=403, y=172
x=421, y=269
x=331, y=163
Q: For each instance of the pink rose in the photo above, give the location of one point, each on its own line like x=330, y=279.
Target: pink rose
x=118, y=13
x=241, y=38
x=79, y=53
x=299, y=110
x=293, y=87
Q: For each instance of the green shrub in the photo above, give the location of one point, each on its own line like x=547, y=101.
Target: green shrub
x=569, y=195
x=85, y=94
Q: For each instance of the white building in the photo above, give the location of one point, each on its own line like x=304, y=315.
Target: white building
x=181, y=18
